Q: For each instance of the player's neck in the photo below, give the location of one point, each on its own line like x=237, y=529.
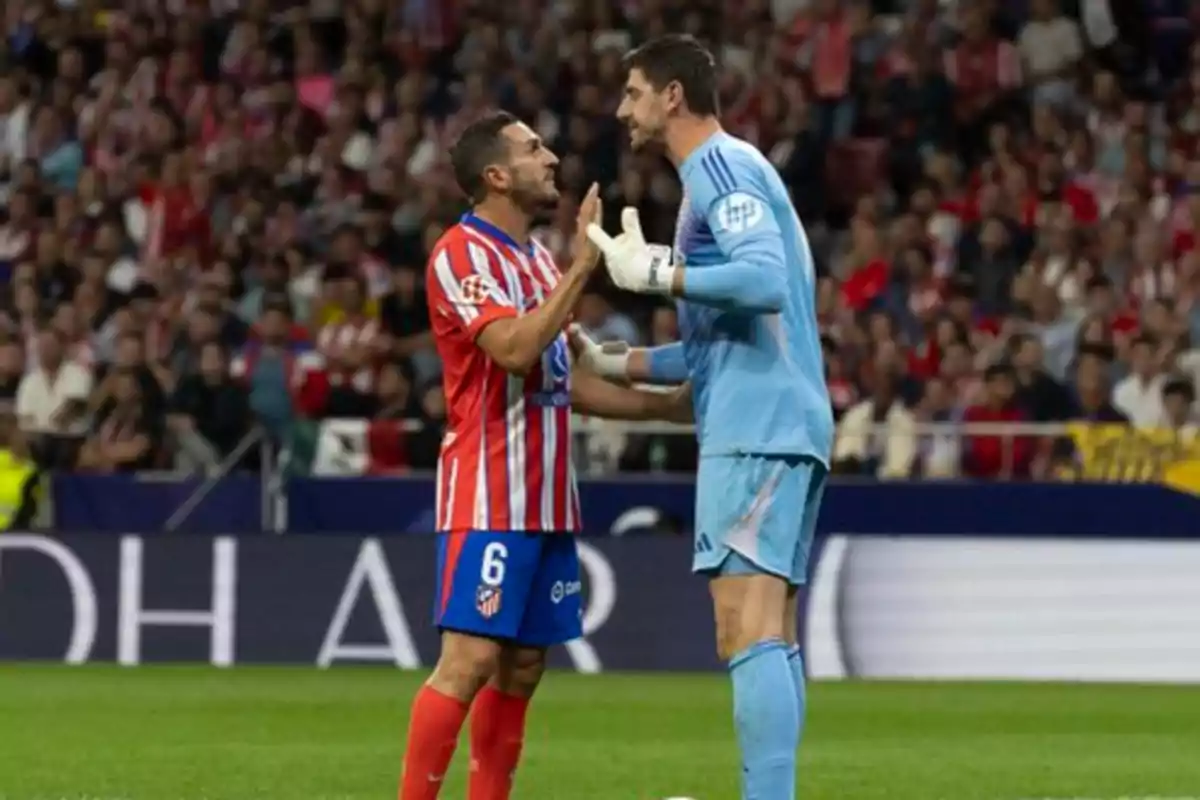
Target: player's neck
x=687, y=134
x=506, y=217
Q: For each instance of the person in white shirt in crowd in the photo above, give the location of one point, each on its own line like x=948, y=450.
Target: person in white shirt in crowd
x=1051, y=49
x=1139, y=395
x=877, y=436
x=52, y=402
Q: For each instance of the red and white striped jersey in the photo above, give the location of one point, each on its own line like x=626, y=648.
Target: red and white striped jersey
x=505, y=462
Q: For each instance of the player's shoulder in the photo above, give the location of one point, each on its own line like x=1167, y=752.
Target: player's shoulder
x=452, y=243
x=728, y=165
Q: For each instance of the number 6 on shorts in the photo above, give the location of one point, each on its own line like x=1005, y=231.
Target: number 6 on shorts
x=491, y=573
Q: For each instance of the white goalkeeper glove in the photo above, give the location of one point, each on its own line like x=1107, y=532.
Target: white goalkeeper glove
x=609, y=360
x=633, y=264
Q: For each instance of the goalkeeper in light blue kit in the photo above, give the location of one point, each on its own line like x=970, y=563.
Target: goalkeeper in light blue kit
x=742, y=273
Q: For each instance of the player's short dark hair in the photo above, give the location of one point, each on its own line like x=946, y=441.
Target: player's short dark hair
x=479, y=146
x=679, y=58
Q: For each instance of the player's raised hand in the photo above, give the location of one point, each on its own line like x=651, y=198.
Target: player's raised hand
x=633, y=264
x=591, y=211
x=609, y=360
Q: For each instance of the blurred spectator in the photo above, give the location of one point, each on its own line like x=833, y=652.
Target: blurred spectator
x=1091, y=387
x=126, y=437
x=272, y=368
x=1139, y=396
x=404, y=317
x=1042, y=398
x=425, y=444
x=12, y=370
x=1179, y=398
x=939, y=454
x=877, y=436
x=52, y=401
x=210, y=413
x=1051, y=49
x=602, y=323
x=996, y=455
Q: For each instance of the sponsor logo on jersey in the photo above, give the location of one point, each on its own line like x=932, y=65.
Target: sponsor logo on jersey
x=739, y=212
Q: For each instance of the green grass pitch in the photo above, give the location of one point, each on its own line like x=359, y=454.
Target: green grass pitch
x=191, y=733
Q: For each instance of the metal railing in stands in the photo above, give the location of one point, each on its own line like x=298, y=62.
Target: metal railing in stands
x=921, y=438
x=256, y=437
x=951, y=435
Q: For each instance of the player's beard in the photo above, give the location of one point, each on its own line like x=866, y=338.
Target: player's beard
x=646, y=135
x=536, y=199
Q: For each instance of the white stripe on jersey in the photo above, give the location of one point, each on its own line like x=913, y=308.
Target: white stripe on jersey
x=450, y=492
x=548, y=260
x=510, y=275
x=482, y=500
x=517, y=462
x=479, y=260
x=445, y=276
x=548, y=276
x=550, y=429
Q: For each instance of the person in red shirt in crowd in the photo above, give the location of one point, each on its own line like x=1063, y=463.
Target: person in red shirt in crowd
x=997, y=456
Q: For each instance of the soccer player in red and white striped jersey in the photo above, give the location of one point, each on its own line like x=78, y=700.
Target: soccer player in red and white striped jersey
x=507, y=505
x=506, y=463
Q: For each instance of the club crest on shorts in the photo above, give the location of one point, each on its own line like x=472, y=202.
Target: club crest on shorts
x=487, y=601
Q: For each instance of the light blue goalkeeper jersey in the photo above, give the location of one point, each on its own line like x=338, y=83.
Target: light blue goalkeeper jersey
x=748, y=318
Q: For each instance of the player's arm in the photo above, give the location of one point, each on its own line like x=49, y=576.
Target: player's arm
x=515, y=341
x=594, y=396
x=662, y=364
x=754, y=279
x=617, y=361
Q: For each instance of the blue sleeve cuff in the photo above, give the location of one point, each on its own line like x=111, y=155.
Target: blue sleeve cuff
x=666, y=363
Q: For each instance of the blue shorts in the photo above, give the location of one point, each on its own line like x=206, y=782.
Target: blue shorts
x=509, y=585
x=757, y=514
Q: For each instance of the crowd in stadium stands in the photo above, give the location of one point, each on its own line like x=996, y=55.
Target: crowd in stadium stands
x=216, y=214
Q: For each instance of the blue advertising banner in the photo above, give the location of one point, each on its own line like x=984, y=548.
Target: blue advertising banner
x=888, y=607
x=318, y=600
x=123, y=503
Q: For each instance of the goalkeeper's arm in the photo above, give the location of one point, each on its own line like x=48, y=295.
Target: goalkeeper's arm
x=617, y=361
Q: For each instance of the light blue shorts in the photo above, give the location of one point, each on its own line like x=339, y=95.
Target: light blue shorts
x=757, y=514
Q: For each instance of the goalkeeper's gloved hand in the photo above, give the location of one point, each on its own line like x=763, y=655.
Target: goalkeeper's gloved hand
x=609, y=360
x=633, y=264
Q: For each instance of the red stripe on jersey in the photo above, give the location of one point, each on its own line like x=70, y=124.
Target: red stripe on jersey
x=506, y=458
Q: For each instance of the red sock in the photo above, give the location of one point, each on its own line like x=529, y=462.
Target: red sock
x=432, y=735
x=497, y=734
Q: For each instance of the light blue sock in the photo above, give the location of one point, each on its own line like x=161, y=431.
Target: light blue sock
x=767, y=719
x=796, y=662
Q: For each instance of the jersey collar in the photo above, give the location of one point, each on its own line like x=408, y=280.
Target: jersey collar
x=488, y=229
